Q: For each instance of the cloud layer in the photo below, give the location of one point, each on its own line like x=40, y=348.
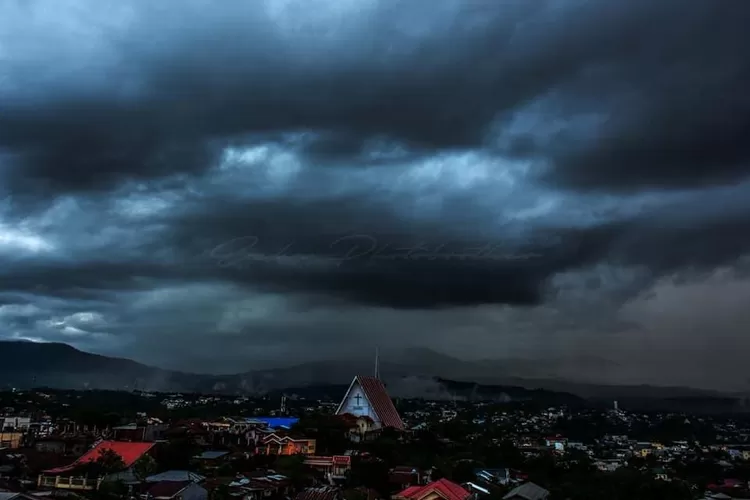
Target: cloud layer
x=258, y=183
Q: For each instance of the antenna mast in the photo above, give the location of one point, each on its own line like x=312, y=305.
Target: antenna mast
x=377, y=363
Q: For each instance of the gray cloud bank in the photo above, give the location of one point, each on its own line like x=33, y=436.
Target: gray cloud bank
x=220, y=187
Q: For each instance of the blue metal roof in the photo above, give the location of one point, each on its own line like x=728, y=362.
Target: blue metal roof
x=176, y=475
x=278, y=422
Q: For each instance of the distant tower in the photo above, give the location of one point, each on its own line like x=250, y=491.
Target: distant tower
x=377, y=363
x=283, y=404
x=617, y=407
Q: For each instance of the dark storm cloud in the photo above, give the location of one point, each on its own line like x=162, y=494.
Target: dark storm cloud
x=268, y=176
x=674, y=109
x=347, y=248
x=365, y=253
x=97, y=145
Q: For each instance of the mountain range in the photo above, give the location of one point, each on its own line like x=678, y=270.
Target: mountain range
x=410, y=373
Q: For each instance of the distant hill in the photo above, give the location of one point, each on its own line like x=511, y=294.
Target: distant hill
x=24, y=364
x=410, y=373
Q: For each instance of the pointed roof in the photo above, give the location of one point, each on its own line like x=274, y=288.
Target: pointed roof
x=527, y=491
x=167, y=489
x=443, y=487
x=379, y=399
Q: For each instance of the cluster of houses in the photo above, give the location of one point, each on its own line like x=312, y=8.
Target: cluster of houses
x=83, y=467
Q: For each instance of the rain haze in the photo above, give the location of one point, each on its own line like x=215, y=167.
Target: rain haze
x=220, y=186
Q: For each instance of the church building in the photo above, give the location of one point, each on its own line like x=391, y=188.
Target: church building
x=368, y=407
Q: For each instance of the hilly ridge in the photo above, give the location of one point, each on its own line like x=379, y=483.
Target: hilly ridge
x=411, y=373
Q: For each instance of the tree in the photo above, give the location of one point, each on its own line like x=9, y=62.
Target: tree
x=111, y=489
x=144, y=467
x=109, y=461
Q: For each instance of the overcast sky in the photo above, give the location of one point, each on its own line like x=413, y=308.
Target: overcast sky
x=216, y=186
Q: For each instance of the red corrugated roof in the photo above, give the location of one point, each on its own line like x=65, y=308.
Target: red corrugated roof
x=320, y=493
x=408, y=492
x=128, y=451
x=445, y=488
x=381, y=402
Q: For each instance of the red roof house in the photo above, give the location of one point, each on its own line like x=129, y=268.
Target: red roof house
x=76, y=477
x=441, y=489
x=128, y=451
x=320, y=493
x=367, y=397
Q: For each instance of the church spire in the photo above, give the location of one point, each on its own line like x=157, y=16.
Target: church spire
x=377, y=363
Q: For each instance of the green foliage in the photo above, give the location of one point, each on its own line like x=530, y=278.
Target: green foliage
x=144, y=467
x=109, y=462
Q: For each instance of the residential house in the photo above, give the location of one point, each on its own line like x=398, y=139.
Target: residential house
x=405, y=476
x=51, y=445
x=660, y=474
x=11, y=439
x=175, y=490
x=608, y=464
x=15, y=423
x=139, y=432
x=192, y=428
x=336, y=466
x=556, y=442
x=493, y=476
x=320, y=493
x=527, y=491
x=643, y=450
x=84, y=474
x=263, y=485
x=442, y=489
x=284, y=423
x=280, y=444
x=212, y=459
x=177, y=476
x=65, y=445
